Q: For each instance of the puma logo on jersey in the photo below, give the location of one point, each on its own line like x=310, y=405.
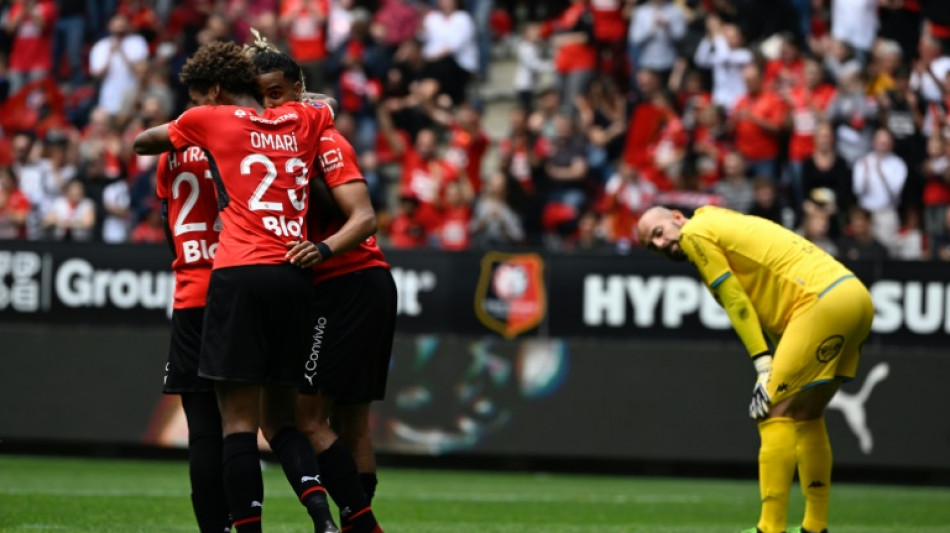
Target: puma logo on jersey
x=852, y=406
x=315, y=479
x=256, y=503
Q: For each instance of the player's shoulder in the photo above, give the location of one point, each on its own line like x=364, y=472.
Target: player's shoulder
x=194, y=113
x=332, y=138
x=716, y=223
x=706, y=216
x=318, y=110
x=218, y=112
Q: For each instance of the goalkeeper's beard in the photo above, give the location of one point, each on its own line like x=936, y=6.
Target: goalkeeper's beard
x=674, y=252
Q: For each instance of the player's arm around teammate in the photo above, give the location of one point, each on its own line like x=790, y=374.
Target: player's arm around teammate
x=766, y=277
x=253, y=333
x=341, y=219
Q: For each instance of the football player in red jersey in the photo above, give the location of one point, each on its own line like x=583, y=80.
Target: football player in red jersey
x=183, y=183
x=255, y=337
x=354, y=309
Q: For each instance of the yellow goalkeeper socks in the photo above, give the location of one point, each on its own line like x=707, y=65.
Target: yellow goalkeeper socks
x=776, y=471
x=814, y=471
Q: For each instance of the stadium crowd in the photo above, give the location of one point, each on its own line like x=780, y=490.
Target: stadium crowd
x=831, y=117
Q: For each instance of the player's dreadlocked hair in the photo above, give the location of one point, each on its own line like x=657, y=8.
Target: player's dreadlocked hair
x=267, y=58
x=222, y=63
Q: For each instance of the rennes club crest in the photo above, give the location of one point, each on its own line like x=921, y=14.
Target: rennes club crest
x=510, y=296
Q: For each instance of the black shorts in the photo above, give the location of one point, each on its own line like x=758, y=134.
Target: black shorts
x=351, y=336
x=256, y=325
x=181, y=370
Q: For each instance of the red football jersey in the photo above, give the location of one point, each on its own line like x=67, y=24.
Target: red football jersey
x=337, y=167
x=261, y=167
x=466, y=152
x=805, y=103
x=183, y=180
x=454, y=233
x=426, y=181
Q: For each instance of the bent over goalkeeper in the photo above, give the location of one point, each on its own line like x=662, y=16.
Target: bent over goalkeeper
x=816, y=313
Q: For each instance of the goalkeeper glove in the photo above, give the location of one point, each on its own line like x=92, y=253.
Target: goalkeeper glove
x=761, y=401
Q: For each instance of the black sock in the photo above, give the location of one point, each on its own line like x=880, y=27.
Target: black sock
x=369, y=481
x=205, y=465
x=343, y=484
x=302, y=470
x=243, y=484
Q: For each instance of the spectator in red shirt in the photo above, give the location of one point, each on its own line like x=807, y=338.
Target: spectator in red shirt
x=627, y=197
x=31, y=23
x=787, y=70
x=406, y=230
x=668, y=147
x=709, y=143
x=610, y=33
x=575, y=58
x=14, y=207
x=303, y=22
x=644, y=123
x=358, y=92
x=396, y=22
x=453, y=232
x=807, y=104
x=757, y=121
x=424, y=174
x=468, y=143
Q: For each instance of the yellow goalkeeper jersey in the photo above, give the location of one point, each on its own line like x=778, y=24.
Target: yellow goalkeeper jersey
x=776, y=268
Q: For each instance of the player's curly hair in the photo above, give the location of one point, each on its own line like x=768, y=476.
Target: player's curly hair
x=267, y=58
x=223, y=63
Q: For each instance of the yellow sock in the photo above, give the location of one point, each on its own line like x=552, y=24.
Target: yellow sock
x=776, y=471
x=814, y=471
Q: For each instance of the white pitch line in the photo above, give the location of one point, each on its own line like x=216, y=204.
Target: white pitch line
x=56, y=527
x=544, y=498
x=482, y=497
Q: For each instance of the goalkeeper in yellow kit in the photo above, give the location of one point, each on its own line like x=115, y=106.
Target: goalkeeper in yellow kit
x=817, y=314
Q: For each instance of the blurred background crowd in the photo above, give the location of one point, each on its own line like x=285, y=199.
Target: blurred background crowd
x=494, y=123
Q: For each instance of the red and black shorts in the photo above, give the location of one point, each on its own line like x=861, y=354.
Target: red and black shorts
x=351, y=336
x=256, y=325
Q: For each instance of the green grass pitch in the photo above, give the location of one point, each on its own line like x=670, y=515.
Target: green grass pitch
x=123, y=496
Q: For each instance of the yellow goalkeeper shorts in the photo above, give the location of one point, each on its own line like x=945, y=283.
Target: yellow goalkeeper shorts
x=822, y=342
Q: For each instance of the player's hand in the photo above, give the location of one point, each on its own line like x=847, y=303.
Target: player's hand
x=761, y=401
x=303, y=254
